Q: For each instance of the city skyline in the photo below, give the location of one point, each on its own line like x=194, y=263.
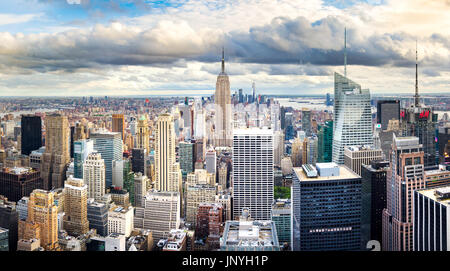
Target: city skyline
x=122, y=48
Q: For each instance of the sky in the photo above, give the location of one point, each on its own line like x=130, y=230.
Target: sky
x=141, y=47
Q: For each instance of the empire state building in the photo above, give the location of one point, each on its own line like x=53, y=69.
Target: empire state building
x=223, y=123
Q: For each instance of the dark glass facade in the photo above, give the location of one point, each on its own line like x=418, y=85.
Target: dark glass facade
x=386, y=111
x=326, y=214
x=15, y=186
x=138, y=161
x=31, y=133
x=373, y=200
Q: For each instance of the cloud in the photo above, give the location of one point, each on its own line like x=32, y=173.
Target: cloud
x=281, y=42
x=6, y=19
x=74, y=2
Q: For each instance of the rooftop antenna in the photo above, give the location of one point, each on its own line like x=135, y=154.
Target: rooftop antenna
x=416, y=96
x=345, y=51
x=223, y=60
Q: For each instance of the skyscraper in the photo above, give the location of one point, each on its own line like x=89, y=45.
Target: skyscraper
x=387, y=110
x=405, y=175
x=94, y=176
x=196, y=194
x=297, y=152
x=56, y=156
x=253, y=172
x=186, y=151
x=222, y=97
x=281, y=216
x=306, y=121
x=138, y=161
x=9, y=218
x=160, y=214
x=420, y=121
x=142, y=134
x=352, y=124
x=31, y=133
x=325, y=142
x=75, y=207
x=326, y=208
x=352, y=117
x=373, y=200
x=118, y=124
x=167, y=171
x=97, y=215
x=82, y=148
x=109, y=145
x=42, y=220
x=18, y=182
x=431, y=219
x=357, y=156
x=211, y=161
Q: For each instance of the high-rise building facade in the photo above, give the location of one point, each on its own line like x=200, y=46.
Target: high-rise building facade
x=118, y=124
x=253, y=172
x=9, y=218
x=94, y=176
x=138, y=161
x=297, y=152
x=373, y=200
x=281, y=216
x=42, y=220
x=431, y=224
x=211, y=161
x=140, y=189
x=56, y=156
x=352, y=117
x=18, y=182
x=166, y=170
x=357, y=156
x=186, y=152
x=325, y=142
x=31, y=133
x=306, y=121
x=387, y=110
x=196, y=194
x=75, y=207
x=160, y=214
x=405, y=175
x=121, y=220
x=310, y=150
x=82, y=148
x=326, y=208
x=143, y=134
x=420, y=121
x=222, y=98
x=109, y=145
x=97, y=215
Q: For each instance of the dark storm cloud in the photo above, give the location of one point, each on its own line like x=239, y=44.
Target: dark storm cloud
x=283, y=41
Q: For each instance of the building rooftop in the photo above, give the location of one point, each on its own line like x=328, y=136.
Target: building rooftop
x=19, y=170
x=252, y=131
x=250, y=234
x=175, y=240
x=440, y=194
x=361, y=148
x=344, y=173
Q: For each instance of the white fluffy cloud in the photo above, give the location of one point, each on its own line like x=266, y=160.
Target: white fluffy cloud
x=282, y=45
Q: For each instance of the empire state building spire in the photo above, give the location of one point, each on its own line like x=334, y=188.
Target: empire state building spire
x=223, y=60
x=416, y=96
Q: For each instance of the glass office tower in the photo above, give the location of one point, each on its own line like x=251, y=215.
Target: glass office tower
x=352, y=116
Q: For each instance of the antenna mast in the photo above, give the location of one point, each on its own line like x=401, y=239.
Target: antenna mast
x=416, y=96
